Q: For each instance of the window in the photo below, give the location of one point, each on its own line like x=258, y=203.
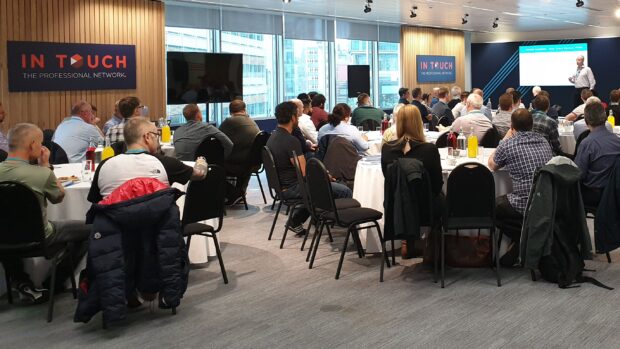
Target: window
x=351, y=52
x=389, y=74
x=306, y=67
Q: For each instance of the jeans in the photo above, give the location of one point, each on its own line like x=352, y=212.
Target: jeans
x=299, y=215
x=508, y=220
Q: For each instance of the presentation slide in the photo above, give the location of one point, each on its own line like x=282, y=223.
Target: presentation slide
x=549, y=65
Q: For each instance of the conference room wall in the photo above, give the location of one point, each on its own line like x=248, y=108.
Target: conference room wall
x=134, y=22
x=429, y=41
x=492, y=71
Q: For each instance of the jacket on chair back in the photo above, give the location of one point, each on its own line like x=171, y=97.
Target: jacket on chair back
x=134, y=244
x=607, y=221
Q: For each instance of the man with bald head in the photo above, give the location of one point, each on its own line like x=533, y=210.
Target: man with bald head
x=75, y=133
x=583, y=79
x=473, y=118
x=483, y=108
x=28, y=163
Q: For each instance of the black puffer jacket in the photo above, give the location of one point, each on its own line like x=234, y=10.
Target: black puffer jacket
x=134, y=244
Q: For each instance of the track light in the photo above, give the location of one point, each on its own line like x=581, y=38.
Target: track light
x=580, y=3
x=495, y=25
x=464, y=19
x=367, y=8
x=412, y=13
x=286, y=1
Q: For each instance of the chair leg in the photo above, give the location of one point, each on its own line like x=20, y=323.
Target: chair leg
x=383, y=251
x=260, y=184
x=608, y=257
x=273, y=225
x=533, y=274
x=219, y=257
x=50, y=308
x=393, y=253
x=442, y=248
x=9, y=290
x=303, y=243
x=316, y=232
x=288, y=210
x=358, y=243
x=245, y=201
x=344, y=250
x=284, y=236
x=315, y=248
x=434, y=236
x=72, y=276
x=189, y=241
x=329, y=233
x=496, y=257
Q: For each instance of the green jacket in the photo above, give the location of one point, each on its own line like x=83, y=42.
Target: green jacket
x=364, y=113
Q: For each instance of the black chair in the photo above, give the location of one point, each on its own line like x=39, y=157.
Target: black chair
x=442, y=140
x=119, y=147
x=370, y=125
x=212, y=150
x=57, y=154
x=471, y=205
x=3, y=155
x=204, y=200
x=353, y=219
x=581, y=137
x=23, y=235
x=591, y=214
x=491, y=138
x=275, y=188
x=256, y=160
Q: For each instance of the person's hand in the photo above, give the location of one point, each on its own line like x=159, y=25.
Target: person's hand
x=571, y=79
x=313, y=146
x=44, y=157
x=95, y=120
x=331, y=178
x=429, y=117
x=365, y=137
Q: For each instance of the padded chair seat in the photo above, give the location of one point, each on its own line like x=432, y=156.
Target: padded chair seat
x=197, y=228
x=355, y=215
x=468, y=223
x=342, y=204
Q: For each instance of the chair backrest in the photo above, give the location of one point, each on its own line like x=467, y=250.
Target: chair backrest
x=20, y=217
x=303, y=187
x=58, y=155
x=212, y=150
x=491, y=138
x=319, y=186
x=370, y=124
x=273, y=180
x=471, y=191
x=341, y=159
x=119, y=147
x=581, y=137
x=323, y=145
x=205, y=198
x=256, y=156
x=3, y=155
x=442, y=140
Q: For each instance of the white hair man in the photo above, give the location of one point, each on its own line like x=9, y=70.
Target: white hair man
x=455, y=92
x=474, y=119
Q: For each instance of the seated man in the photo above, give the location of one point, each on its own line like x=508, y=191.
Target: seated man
x=521, y=153
x=596, y=154
x=25, y=148
x=282, y=144
x=578, y=111
x=545, y=125
x=501, y=120
x=473, y=119
x=441, y=109
x=188, y=137
x=365, y=111
x=76, y=132
x=141, y=160
x=241, y=130
x=319, y=115
x=128, y=107
x=116, y=119
x=580, y=126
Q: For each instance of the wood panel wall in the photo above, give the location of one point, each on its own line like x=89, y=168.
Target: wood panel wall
x=132, y=22
x=428, y=41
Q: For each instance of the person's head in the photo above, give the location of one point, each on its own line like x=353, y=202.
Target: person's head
x=478, y=91
x=306, y=100
x=117, y=112
x=443, y=94
x=521, y=120
x=455, y=92
x=237, y=107
x=2, y=113
x=83, y=110
x=341, y=112
x=25, y=140
x=505, y=102
x=536, y=90
x=404, y=92
x=300, y=106
x=464, y=96
x=141, y=133
x=541, y=102
x=286, y=114
x=191, y=112
x=363, y=100
x=593, y=99
x=594, y=114
x=319, y=101
x=416, y=93
x=409, y=126
x=516, y=98
x=435, y=92
x=614, y=97
x=130, y=107
x=546, y=94
x=580, y=60
x=311, y=95
x=426, y=98
x=585, y=94
x=474, y=102
x=510, y=90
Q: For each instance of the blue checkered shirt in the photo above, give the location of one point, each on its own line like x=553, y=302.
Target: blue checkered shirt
x=115, y=133
x=547, y=127
x=521, y=156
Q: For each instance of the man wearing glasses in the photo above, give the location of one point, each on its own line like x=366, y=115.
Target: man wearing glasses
x=141, y=160
x=76, y=132
x=128, y=107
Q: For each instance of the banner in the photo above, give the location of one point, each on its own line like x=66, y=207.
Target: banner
x=436, y=68
x=47, y=66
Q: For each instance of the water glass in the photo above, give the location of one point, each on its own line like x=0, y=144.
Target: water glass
x=360, y=128
x=378, y=128
x=87, y=170
x=481, y=154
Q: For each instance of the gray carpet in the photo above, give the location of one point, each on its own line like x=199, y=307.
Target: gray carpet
x=274, y=301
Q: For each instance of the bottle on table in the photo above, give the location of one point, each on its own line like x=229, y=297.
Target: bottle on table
x=611, y=119
x=384, y=124
x=489, y=104
x=165, y=132
x=461, y=141
x=452, y=140
x=472, y=145
x=107, y=152
x=90, y=152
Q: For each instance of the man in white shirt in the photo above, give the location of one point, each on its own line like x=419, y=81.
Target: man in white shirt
x=474, y=119
x=583, y=79
x=305, y=123
x=483, y=109
x=584, y=95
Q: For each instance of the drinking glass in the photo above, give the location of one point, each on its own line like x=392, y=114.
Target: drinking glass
x=378, y=128
x=360, y=128
x=481, y=154
x=86, y=170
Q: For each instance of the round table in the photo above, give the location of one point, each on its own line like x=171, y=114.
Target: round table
x=375, y=140
x=369, y=182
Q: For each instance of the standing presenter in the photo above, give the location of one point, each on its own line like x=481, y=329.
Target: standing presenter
x=582, y=79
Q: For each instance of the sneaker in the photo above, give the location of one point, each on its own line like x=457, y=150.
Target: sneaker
x=234, y=201
x=511, y=257
x=298, y=230
x=30, y=294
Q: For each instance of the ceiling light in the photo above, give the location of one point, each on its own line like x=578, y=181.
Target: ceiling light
x=495, y=25
x=617, y=13
x=464, y=19
x=412, y=12
x=580, y=3
x=286, y=1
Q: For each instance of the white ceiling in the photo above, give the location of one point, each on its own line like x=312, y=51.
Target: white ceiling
x=514, y=15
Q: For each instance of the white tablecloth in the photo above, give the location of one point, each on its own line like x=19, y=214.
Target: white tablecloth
x=568, y=142
x=369, y=181
x=375, y=138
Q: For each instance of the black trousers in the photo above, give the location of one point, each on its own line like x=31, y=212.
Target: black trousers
x=577, y=97
x=75, y=232
x=508, y=220
x=591, y=196
x=243, y=173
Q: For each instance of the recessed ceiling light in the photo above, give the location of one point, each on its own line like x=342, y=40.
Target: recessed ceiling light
x=617, y=13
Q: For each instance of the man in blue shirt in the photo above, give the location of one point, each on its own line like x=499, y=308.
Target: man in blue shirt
x=75, y=133
x=596, y=154
x=116, y=119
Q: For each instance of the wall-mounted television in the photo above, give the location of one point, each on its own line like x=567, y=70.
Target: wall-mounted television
x=199, y=77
